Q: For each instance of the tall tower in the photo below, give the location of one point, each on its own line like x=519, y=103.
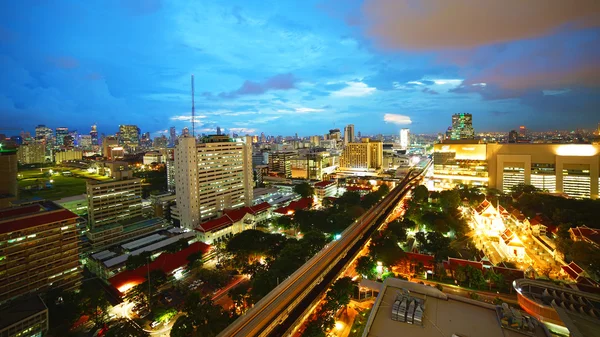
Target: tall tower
x=462, y=126
x=349, y=134
x=404, y=138
x=193, y=110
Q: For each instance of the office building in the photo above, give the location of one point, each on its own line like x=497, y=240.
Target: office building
x=8, y=175
x=513, y=136
x=129, y=136
x=349, y=134
x=32, y=153
x=405, y=308
x=160, y=142
x=24, y=317
x=404, y=139
x=110, y=144
x=570, y=169
x=172, y=136
x=170, y=163
x=43, y=132
x=325, y=189
x=313, y=165
x=152, y=157
x=67, y=155
x=85, y=142
x=39, y=249
x=315, y=141
x=60, y=135
x=210, y=176
x=281, y=162
x=462, y=127
x=334, y=134
x=94, y=135
x=366, y=156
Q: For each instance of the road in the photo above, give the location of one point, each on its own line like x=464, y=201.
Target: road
x=274, y=308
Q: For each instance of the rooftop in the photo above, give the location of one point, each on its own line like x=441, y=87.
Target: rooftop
x=443, y=315
x=20, y=309
x=40, y=213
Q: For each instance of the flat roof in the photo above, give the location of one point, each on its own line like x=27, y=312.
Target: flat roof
x=143, y=241
x=20, y=309
x=444, y=315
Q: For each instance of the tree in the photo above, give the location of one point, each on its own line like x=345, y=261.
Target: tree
x=125, y=328
x=304, y=189
x=93, y=302
x=340, y=293
x=313, y=242
x=460, y=274
x=135, y=261
x=314, y=328
x=384, y=248
x=201, y=318
x=383, y=190
x=420, y=194
x=492, y=277
x=240, y=297
x=365, y=266
x=449, y=199
x=195, y=261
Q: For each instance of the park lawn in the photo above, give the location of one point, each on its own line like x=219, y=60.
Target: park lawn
x=62, y=187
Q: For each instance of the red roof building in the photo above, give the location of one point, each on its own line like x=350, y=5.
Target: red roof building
x=573, y=271
x=454, y=263
x=584, y=233
x=233, y=221
x=166, y=262
x=304, y=203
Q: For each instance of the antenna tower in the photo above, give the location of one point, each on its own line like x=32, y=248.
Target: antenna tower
x=193, y=110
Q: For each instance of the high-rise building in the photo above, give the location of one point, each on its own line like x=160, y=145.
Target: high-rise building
x=572, y=169
x=94, y=135
x=218, y=130
x=85, y=142
x=32, y=153
x=335, y=134
x=315, y=141
x=39, y=249
x=462, y=127
x=43, y=132
x=280, y=162
x=109, y=144
x=185, y=132
x=211, y=176
x=8, y=174
x=513, y=136
x=172, y=136
x=129, y=136
x=170, y=163
x=404, y=138
x=160, y=142
x=61, y=132
x=349, y=134
x=364, y=156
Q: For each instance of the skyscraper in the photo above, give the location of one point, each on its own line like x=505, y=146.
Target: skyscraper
x=462, y=126
x=129, y=136
x=513, y=136
x=404, y=138
x=61, y=132
x=94, y=135
x=211, y=176
x=43, y=132
x=218, y=130
x=363, y=156
x=172, y=136
x=349, y=134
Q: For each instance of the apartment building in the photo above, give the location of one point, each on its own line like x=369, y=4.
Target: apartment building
x=39, y=249
x=210, y=176
x=366, y=156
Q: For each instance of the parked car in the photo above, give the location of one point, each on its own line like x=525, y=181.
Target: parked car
x=154, y=324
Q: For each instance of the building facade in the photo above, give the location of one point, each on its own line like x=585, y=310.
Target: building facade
x=281, y=162
x=60, y=135
x=211, y=176
x=349, y=134
x=129, y=136
x=462, y=127
x=362, y=157
x=570, y=169
x=39, y=249
x=32, y=153
x=404, y=138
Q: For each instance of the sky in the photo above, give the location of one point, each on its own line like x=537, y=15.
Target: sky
x=284, y=67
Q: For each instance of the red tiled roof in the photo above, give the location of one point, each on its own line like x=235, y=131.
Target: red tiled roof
x=303, y=203
x=41, y=218
x=587, y=233
x=510, y=274
x=426, y=260
x=484, y=204
x=238, y=214
x=16, y=211
x=324, y=183
x=453, y=263
x=260, y=207
x=213, y=224
x=573, y=270
x=518, y=215
x=167, y=262
x=358, y=188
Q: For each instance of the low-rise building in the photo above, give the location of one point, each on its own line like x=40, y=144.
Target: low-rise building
x=585, y=234
x=233, y=222
x=24, y=317
x=152, y=158
x=325, y=189
x=77, y=204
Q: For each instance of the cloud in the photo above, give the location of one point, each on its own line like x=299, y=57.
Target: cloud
x=305, y=110
x=141, y=7
x=64, y=62
x=187, y=118
x=242, y=130
x=555, y=92
x=277, y=82
x=430, y=91
x=397, y=119
x=354, y=89
x=439, y=24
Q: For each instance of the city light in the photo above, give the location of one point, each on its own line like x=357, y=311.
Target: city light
x=339, y=325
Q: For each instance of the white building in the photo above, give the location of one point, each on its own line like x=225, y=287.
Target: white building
x=152, y=157
x=211, y=176
x=404, y=138
x=349, y=134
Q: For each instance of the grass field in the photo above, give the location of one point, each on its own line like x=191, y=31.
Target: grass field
x=61, y=186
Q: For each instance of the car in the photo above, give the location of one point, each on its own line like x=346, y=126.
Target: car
x=154, y=324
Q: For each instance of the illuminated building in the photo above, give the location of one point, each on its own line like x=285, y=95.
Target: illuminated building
x=349, y=134
x=281, y=162
x=108, y=144
x=152, y=157
x=43, y=132
x=314, y=165
x=161, y=142
x=129, y=136
x=315, y=141
x=24, y=317
x=32, y=153
x=233, y=222
x=8, y=175
x=172, y=136
x=39, y=249
x=61, y=156
x=513, y=136
x=60, y=135
x=170, y=163
x=462, y=127
x=366, y=156
x=211, y=176
x=94, y=135
x=325, y=189
x=571, y=169
x=404, y=138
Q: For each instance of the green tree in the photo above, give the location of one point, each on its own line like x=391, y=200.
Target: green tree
x=195, y=261
x=449, y=199
x=136, y=261
x=365, y=265
x=201, y=318
x=340, y=293
x=313, y=242
x=93, y=302
x=304, y=189
x=420, y=194
x=460, y=274
x=125, y=328
x=314, y=328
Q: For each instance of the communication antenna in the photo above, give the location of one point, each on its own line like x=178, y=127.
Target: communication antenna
x=193, y=110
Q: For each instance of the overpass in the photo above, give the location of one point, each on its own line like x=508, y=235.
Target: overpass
x=273, y=315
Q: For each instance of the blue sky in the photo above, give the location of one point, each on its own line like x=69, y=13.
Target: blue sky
x=282, y=67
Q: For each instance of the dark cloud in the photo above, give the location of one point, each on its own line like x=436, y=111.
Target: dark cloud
x=397, y=24
x=64, y=62
x=277, y=82
x=141, y=7
x=430, y=91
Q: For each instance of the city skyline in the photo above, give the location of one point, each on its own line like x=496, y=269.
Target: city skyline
x=279, y=68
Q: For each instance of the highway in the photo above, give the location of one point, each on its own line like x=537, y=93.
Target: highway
x=274, y=308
